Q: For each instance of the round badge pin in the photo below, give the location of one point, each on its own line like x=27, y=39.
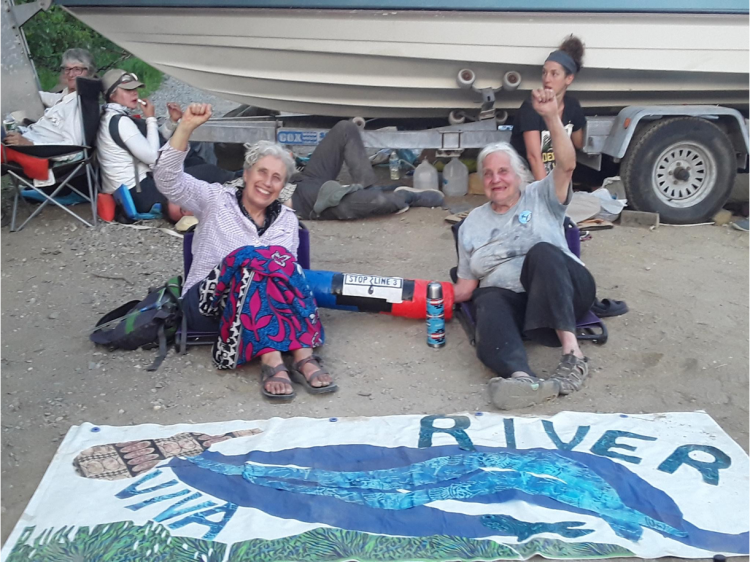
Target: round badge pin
x=524, y=217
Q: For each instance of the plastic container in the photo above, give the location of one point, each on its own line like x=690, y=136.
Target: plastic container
x=455, y=179
x=426, y=176
x=394, y=164
x=105, y=207
x=9, y=124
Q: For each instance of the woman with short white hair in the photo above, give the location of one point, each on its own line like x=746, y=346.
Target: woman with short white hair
x=244, y=265
x=61, y=122
x=516, y=268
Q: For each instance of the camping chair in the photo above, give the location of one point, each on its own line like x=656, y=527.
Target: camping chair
x=88, y=102
x=184, y=337
x=124, y=200
x=588, y=328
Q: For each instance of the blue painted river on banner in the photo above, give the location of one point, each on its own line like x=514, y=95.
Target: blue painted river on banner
x=329, y=496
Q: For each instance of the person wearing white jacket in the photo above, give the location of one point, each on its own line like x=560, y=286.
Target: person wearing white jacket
x=119, y=165
x=61, y=122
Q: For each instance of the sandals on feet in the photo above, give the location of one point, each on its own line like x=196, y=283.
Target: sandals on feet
x=268, y=373
x=570, y=373
x=457, y=217
x=609, y=307
x=299, y=377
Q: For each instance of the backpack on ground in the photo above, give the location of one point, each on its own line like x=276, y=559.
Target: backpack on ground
x=147, y=323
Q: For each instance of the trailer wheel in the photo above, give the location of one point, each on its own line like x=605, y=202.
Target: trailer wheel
x=682, y=168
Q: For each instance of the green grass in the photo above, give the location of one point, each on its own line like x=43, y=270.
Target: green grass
x=147, y=74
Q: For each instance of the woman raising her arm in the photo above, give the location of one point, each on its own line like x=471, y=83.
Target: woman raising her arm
x=531, y=138
x=244, y=282
x=515, y=266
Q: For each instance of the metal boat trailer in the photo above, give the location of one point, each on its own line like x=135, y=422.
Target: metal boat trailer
x=451, y=138
x=678, y=160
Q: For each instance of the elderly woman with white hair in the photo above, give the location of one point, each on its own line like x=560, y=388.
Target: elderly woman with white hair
x=61, y=122
x=244, y=265
x=515, y=266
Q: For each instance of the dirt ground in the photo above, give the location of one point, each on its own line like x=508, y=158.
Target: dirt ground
x=682, y=347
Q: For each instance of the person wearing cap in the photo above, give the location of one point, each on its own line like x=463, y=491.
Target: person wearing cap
x=530, y=136
x=119, y=165
x=61, y=122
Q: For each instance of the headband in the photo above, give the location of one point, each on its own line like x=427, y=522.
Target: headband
x=564, y=60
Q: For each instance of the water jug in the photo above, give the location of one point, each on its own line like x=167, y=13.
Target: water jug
x=394, y=164
x=455, y=179
x=425, y=176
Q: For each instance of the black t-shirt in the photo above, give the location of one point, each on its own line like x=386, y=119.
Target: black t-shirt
x=527, y=119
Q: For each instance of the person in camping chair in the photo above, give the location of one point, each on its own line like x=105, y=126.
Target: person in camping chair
x=244, y=282
x=61, y=122
x=515, y=266
x=137, y=147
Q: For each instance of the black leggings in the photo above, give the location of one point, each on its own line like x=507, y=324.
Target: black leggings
x=559, y=290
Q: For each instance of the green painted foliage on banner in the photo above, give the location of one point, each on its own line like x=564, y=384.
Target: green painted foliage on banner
x=126, y=542
x=116, y=542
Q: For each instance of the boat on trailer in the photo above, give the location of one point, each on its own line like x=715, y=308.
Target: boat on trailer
x=427, y=58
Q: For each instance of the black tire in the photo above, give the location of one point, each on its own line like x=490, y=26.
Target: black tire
x=696, y=149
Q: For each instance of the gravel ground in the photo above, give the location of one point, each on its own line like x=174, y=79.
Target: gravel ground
x=682, y=347
x=174, y=90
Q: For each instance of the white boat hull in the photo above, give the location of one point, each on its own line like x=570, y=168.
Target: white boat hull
x=404, y=64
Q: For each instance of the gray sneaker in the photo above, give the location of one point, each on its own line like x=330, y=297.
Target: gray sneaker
x=570, y=373
x=421, y=197
x=742, y=224
x=521, y=392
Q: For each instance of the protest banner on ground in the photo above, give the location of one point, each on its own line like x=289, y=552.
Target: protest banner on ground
x=473, y=486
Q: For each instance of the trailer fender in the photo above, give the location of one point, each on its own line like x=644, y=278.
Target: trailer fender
x=627, y=121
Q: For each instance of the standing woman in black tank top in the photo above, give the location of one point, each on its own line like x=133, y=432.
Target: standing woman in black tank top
x=530, y=137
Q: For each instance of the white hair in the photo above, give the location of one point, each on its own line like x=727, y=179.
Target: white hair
x=264, y=148
x=80, y=56
x=516, y=162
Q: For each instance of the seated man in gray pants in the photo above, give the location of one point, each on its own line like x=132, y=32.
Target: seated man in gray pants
x=320, y=196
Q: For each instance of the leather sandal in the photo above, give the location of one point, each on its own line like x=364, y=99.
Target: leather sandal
x=269, y=374
x=605, y=308
x=299, y=377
